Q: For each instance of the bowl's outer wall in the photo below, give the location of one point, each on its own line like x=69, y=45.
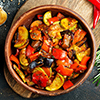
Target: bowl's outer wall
x=26, y=20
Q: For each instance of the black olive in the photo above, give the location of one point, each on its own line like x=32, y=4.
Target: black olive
x=32, y=64
x=48, y=62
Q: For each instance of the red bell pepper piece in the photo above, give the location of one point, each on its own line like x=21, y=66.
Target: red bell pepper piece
x=40, y=78
x=80, y=68
x=15, y=59
x=29, y=50
x=74, y=66
x=96, y=3
x=84, y=60
x=52, y=20
x=78, y=36
x=45, y=47
x=17, y=52
x=60, y=16
x=47, y=70
x=67, y=84
x=40, y=16
x=64, y=70
x=96, y=16
x=34, y=56
x=83, y=67
x=65, y=62
x=59, y=54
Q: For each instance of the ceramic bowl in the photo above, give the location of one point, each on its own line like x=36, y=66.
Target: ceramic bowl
x=26, y=20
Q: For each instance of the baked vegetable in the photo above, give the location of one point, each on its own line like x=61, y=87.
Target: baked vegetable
x=55, y=52
x=57, y=83
x=46, y=16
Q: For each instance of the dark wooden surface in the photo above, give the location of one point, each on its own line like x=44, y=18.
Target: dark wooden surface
x=87, y=91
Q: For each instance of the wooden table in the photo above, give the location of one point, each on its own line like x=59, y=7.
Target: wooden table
x=82, y=7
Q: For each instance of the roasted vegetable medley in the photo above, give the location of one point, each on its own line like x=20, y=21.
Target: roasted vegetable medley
x=51, y=53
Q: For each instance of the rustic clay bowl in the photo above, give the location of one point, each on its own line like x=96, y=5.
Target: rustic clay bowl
x=26, y=19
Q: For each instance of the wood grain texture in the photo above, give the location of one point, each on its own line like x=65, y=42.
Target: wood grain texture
x=17, y=87
x=82, y=7
x=96, y=33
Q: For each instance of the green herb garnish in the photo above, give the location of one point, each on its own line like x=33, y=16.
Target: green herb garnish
x=97, y=64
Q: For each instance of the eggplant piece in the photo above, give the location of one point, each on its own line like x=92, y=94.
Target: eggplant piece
x=67, y=38
x=38, y=49
x=72, y=54
x=33, y=64
x=41, y=61
x=37, y=62
x=35, y=44
x=48, y=62
x=67, y=32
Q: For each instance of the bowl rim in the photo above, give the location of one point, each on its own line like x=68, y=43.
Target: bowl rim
x=16, y=77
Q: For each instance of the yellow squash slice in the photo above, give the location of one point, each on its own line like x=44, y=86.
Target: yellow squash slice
x=20, y=73
x=22, y=37
x=22, y=57
x=80, y=55
x=46, y=16
x=19, y=43
x=23, y=32
x=64, y=23
x=57, y=83
x=25, y=44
